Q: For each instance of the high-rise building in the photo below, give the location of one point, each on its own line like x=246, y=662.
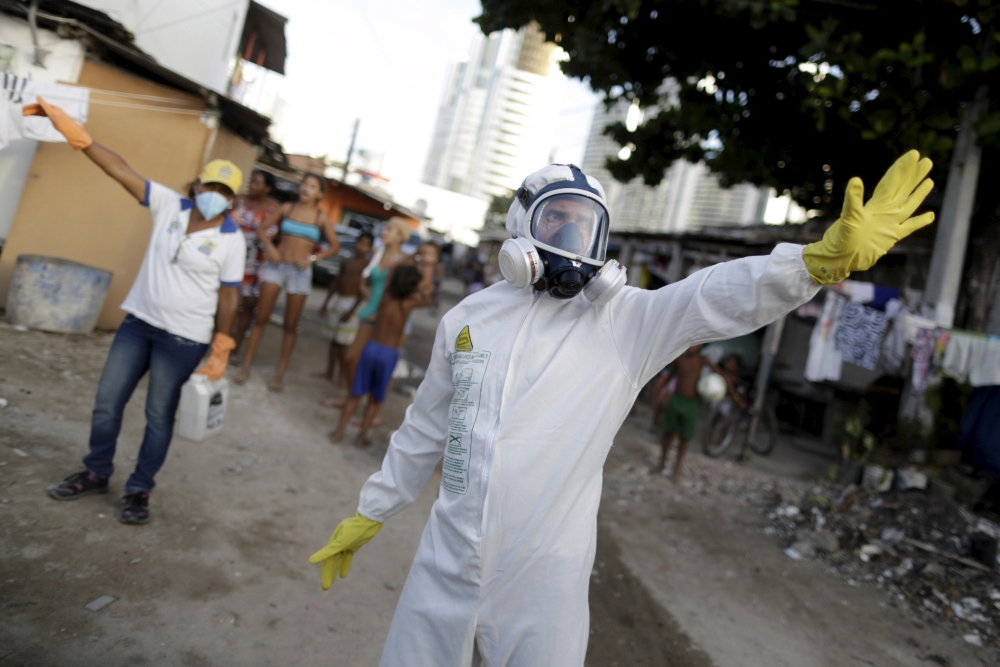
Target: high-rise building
x=498, y=114
x=688, y=197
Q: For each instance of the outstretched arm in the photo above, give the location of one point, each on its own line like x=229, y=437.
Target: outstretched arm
x=651, y=328
x=413, y=453
x=417, y=446
x=735, y=298
x=116, y=167
x=78, y=137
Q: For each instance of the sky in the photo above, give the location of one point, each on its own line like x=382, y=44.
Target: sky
x=384, y=61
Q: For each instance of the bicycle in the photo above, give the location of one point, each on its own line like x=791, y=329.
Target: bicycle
x=728, y=423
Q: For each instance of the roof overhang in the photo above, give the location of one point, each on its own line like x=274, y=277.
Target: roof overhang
x=112, y=43
x=263, y=41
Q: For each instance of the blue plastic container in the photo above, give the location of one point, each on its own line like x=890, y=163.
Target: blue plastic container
x=57, y=295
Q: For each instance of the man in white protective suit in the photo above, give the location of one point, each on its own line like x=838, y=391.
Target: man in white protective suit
x=528, y=383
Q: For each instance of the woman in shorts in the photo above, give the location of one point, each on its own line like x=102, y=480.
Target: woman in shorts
x=289, y=267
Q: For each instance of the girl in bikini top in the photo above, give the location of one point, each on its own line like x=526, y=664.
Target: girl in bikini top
x=290, y=249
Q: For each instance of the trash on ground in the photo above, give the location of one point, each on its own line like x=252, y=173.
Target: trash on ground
x=924, y=549
x=100, y=603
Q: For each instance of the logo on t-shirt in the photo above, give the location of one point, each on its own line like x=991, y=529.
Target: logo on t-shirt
x=207, y=247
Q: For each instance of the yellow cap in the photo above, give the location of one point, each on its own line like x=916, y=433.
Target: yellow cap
x=224, y=172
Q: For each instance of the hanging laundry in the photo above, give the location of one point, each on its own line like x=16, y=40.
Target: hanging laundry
x=894, y=345
x=824, y=361
x=882, y=297
x=859, y=336
x=914, y=323
x=940, y=345
x=856, y=290
x=12, y=87
x=958, y=355
x=984, y=363
x=922, y=353
x=74, y=100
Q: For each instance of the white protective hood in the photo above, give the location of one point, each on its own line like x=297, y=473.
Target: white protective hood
x=550, y=175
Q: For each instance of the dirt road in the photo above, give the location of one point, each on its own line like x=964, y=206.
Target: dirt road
x=220, y=576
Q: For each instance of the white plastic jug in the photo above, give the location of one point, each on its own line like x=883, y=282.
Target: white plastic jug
x=202, y=411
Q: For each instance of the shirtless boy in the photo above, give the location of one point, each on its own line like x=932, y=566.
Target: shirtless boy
x=343, y=322
x=378, y=359
x=680, y=417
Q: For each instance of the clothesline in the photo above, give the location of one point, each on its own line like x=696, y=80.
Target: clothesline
x=860, y=334
x=56, y=98
x=18, y=87
x=147, y=107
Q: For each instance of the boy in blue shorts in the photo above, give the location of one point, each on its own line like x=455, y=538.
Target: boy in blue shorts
x=378, y=359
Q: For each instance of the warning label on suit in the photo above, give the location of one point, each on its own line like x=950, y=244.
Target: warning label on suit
x=467, y=371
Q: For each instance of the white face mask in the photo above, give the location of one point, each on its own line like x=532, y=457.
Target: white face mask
x=211, y=204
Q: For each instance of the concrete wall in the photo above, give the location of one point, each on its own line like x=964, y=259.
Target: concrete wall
x=71, y=209
x=231, y=146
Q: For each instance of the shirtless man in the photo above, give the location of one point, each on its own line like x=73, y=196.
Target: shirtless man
x=680, y=417
x=343, y=322
x=378, y=359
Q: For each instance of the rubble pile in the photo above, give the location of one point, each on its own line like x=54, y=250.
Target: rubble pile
x=924, y=549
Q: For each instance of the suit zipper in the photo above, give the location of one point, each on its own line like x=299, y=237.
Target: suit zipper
x=496, y=429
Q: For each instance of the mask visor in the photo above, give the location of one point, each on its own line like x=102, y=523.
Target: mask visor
x=571, y=225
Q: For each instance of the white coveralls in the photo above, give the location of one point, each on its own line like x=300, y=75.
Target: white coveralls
x=523, y=397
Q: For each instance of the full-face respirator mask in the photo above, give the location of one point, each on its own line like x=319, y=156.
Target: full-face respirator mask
x=560, y=230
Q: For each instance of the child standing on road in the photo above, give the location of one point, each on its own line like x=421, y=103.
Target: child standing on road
x=680, y=417
x=378, y=359
x=343, y=320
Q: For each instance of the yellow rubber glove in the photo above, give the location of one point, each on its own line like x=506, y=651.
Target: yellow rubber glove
x=865, y=232
x=215, y=366
x=350, y=535
x=75, y=134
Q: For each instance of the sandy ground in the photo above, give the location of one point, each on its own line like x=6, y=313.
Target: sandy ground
x=220, y=576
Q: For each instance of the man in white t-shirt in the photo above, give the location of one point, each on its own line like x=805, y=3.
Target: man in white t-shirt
x=187, y=288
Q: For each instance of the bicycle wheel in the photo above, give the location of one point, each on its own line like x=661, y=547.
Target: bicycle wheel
x=719, y=434
x=766, y=437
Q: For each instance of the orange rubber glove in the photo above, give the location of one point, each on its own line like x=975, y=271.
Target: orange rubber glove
x=75, y=134
x=865, y=232
x=215, y=366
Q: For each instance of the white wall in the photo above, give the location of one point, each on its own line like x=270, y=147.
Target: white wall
x=62, y=64
x=196, y=38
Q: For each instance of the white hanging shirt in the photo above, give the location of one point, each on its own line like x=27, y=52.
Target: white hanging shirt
x=74, y=100
x=177, y=288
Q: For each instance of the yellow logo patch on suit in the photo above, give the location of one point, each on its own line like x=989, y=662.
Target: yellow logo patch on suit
x=464, y=341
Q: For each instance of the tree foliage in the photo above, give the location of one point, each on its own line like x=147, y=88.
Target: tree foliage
x=496, y=214
x=799, y=95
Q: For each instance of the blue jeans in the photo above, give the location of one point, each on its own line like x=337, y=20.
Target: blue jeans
x=139, y=347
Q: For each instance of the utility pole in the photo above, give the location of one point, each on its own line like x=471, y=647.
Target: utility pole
x=350, y=149
x=945, y=275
